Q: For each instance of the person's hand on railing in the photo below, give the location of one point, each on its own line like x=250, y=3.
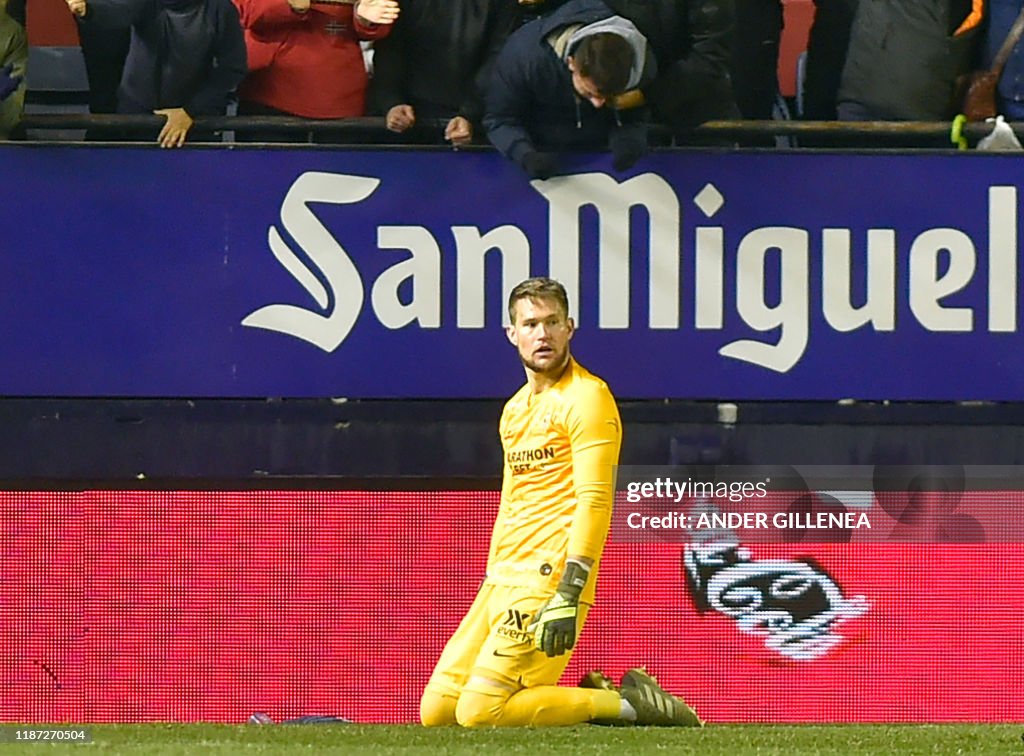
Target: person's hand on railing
x=176, y=127
x=400, y=118
x=377, y=11
x=459, y=131
x=8, y=83
x=299, y=6
x=77, y=7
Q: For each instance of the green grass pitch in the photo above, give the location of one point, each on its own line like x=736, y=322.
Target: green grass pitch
x=728, y=740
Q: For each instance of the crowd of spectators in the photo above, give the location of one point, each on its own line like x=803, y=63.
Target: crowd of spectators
x=534, y=77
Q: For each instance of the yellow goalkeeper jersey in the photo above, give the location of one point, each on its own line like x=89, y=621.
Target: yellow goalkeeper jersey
x=561, y=448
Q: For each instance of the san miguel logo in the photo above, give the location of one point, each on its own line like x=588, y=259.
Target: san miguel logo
x=338, y=309
x=940, y=263
x=795, y=605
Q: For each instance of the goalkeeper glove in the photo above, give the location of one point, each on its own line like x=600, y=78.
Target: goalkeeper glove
x=554, y=628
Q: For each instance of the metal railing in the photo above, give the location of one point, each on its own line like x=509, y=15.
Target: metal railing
x=371, y=130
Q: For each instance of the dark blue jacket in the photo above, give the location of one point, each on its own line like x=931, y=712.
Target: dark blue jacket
x=531, y=103
x=184, y=53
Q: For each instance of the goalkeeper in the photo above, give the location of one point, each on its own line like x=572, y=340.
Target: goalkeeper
x=560, y=434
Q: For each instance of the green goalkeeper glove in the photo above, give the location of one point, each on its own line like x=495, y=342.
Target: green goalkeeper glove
x=554, y=628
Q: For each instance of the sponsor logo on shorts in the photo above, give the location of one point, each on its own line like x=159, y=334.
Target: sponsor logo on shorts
x=514, y=627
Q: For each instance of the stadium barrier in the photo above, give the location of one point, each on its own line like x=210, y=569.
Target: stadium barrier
x=112, y=320
x=862, y=135
x=309, y=272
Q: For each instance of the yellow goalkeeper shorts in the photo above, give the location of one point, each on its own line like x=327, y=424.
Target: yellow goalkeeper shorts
x=493, y=641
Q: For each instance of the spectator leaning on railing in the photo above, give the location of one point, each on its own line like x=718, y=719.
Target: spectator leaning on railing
x=692, y=42
x=304, y=57
x=554, y=86
x=186, y=57
x=13, y=60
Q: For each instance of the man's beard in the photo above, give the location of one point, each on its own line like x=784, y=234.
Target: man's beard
x=553, y=368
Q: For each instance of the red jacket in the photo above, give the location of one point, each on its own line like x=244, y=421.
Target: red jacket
x=307, y=64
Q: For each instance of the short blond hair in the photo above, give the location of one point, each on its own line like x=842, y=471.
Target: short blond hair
x=538, y=288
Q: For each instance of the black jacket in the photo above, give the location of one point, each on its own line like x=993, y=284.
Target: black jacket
x=439, y=56
x=188, y=54
x=531, y=102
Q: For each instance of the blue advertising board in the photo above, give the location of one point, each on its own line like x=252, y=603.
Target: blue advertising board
x=382, y=273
